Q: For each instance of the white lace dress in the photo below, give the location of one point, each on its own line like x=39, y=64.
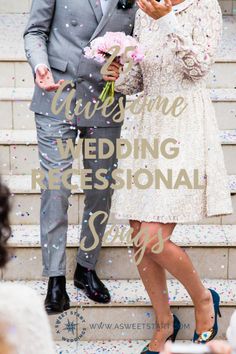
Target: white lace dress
x=22, y=314
x=179, y=53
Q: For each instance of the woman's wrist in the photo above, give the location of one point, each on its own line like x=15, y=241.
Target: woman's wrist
x=168, y=23
x=158, y=16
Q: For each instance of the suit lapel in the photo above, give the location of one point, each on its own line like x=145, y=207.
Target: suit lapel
x=105, y=18
x=96, y=6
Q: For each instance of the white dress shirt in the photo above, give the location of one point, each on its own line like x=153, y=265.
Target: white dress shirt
x=105, y=5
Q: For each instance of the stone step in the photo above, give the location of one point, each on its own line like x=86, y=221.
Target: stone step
x=15, y=71
x=19, y=151
x=13, y=7
x=228, y=6
x=102, y=347
x=26, y=205
x=14, y=105
x=105, y=347
x=22, y=184
x=212, y=249
x=12, y=46
x=129, y=315
x=18, y=74
x=26, y=209
x=222, y=75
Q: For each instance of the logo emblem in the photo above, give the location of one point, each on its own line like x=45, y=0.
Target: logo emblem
x=70, y=326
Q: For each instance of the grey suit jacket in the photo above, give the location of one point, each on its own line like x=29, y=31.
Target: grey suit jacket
x=56, y=35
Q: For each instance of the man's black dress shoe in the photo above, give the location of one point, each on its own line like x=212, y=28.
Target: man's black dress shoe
x=57, y=299
x=88, y=281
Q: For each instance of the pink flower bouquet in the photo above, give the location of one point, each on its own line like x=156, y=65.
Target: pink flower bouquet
x=114, y=46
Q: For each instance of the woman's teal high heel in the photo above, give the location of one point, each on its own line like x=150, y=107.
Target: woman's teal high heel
x=177, y=326
x=209, y=335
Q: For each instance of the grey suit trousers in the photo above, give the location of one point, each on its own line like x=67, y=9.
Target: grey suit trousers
x=54, y=203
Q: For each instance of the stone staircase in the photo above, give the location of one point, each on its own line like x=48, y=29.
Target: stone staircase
x=128, y=321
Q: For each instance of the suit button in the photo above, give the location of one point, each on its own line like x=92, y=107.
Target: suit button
x=74, y=23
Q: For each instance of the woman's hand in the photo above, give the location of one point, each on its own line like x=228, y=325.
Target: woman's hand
x=113, y=72
x=154, y=9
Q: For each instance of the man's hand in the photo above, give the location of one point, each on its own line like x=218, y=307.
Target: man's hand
x=44, y=79
x=154, y=9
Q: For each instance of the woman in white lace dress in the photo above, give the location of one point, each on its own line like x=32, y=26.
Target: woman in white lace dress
x=180, y=40
x=24, y=325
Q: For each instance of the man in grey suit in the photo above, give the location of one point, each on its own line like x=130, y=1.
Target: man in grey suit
x=55, y=38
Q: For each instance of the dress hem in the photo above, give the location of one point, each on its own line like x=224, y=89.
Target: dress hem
x=165, y=220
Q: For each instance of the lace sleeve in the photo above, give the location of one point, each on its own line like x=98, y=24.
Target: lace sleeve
x=132, y=82
x=195, y=54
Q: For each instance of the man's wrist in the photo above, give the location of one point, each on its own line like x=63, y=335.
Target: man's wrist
x=38, y=65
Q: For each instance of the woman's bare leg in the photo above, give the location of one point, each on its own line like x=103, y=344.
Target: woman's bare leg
x=176, y=261
x=154, y=279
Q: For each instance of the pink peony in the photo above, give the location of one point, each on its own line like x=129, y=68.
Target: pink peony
x=128, y=50
x=102, y=46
